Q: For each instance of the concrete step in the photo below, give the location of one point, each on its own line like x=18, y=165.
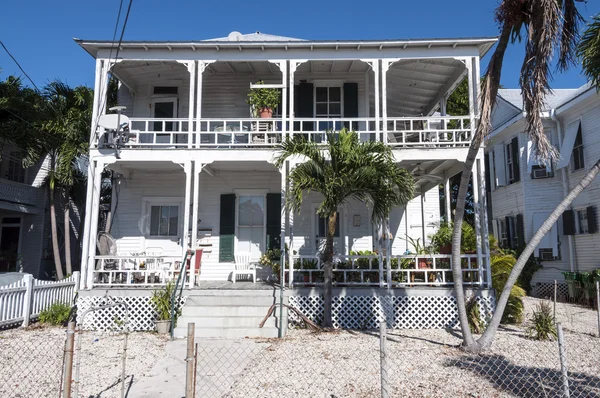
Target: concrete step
x=226, y=322
x=228, y=333
x=241, y=300
x=270, y=292
x=224, y=311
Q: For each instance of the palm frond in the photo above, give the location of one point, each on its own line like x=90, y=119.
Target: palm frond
x=589, y=51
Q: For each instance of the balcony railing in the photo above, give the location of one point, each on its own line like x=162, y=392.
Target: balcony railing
x=426, y=132
x=405, y=271
x=135, y=270
x=17, y=192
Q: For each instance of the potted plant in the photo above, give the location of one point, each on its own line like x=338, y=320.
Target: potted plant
x=161, y=300
x=264, y=100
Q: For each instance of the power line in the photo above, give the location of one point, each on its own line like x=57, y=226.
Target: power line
x=20, y=67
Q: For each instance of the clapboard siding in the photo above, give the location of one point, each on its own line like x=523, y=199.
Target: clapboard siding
x=502, y=113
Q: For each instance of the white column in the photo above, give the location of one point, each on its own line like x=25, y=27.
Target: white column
x=480, y=165
x=470, y=79
x=477, y=86
x=93, y=213
x=448, y=198
x=476, y=214
x=283, y=66
x=96, y=105
x=375, y=66
x=192, y=70
x=384, y=69
x=293, y=66
x=197, y=169
x=201, y=68
x=187, y=167
x=85, y=243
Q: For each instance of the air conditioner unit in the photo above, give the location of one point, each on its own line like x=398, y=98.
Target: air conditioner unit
x=538, y=173
x=546, y=255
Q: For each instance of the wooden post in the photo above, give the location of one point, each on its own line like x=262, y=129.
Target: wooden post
x=383, y=359
x=189, y=362
x=28, y=278
x=69, y=360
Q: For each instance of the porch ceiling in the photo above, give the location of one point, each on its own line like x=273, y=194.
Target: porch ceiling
x=124, y=167
x=429, y=173
x=242, y=166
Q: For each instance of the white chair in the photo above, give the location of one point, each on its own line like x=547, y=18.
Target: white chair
x=243, y=267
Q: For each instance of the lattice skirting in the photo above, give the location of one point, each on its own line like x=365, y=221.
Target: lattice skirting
x=141, y=313
x=546, y=290
x=401, y=312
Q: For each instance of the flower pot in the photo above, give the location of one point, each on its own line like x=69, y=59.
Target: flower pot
x=423, y=263
x=266, y=113
x=163, y=327
x=446, y=249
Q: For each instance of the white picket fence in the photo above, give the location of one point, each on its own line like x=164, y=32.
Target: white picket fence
x=22, y=301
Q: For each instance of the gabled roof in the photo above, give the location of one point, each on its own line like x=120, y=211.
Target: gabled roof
x=554, y=99
x=255, y=37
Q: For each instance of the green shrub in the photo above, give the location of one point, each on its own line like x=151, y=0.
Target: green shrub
x=161, y=300
x=474, y=316
x=57, y=314
x=443, y=237
x=502, y=265
x=541, y=325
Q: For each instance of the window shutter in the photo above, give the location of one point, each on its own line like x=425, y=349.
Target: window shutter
x=568, y=222
x=566, y=148
x=273, y=221
x=591, y=219
x=351, y=103
x=508, y=235
x=514, y=147
x=520, y=230
x=227, y=228
x=303, y=105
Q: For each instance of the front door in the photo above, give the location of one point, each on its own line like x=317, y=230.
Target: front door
x=165, y=108
x=251, y=225
x=10, y=229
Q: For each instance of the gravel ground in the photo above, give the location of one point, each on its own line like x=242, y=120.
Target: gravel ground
x=31, y=361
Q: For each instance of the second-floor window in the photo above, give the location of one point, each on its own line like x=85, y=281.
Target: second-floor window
x=513, y=172
x=509, y=164
x=164, y=220
x=578, y=161
x=328, y=102
x=15, y=171
x=582, y=221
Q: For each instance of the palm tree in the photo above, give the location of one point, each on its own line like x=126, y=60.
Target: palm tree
x=344, y=169
x=547, y=26
x=68, y=118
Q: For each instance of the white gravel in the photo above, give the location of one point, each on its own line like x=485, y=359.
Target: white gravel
x=31, y=361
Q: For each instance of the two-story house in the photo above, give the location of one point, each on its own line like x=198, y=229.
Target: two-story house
x=195, y=168
x=524, y=193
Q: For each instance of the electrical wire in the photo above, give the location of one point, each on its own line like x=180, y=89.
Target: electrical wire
x=20, y=67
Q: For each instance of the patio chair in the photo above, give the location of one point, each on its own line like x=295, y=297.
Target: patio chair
x=107, y=246
x=243, y=267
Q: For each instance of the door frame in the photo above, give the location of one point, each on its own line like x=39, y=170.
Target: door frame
x=20, y=225
x=250, y=192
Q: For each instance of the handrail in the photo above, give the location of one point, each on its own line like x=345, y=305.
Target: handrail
x=189, y=253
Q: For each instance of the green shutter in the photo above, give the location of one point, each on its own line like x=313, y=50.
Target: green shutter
x=516, y=159
x=304, y=105
x=227, y=228
x=520, y=231
x=568, y=222
x=591, y=219
x=351, y=104
x=273, y=221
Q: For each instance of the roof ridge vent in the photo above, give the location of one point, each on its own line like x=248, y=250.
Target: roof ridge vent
x=234, y=36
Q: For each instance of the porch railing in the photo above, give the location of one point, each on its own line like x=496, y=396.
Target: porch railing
x=152, y=132
x=17, y=192
x=367, y=270
x=315, y=129
x=442, y=131
x=135, y=270
x=225, y=133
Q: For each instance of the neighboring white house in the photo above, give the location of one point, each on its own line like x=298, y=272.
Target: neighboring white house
x=22, y=213
x=524, y=193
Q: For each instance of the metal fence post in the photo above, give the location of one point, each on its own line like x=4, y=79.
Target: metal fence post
x=555, y=293
x=69, y=360
x=563, y=360
x=189, y=362
x=28, y=279
x=383, y=358
x=123, y=370
x=598, y=305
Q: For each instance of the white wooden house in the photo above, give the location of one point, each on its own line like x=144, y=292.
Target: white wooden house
x=523, y=193
x=195, y=168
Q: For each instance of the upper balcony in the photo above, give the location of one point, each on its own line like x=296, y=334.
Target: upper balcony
x=197, y=99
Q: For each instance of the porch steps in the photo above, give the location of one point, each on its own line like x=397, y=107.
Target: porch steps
x=228, y=314
x=222, y=272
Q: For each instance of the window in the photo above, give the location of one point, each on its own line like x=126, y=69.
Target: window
x=251, y=225
x=164, y=220
x=510, y=231
x=16, y=172
x=322, y=226
x=513, y=171
x=578, y=162
x=328, y=102
x=582, y=221
x=509, y=164
x=503, y=232
x=513, y=233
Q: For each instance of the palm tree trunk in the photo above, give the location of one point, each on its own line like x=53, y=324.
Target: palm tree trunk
x=488, y=100
x=488, y=336
x=57, y=262
x=67, y=221
x=328, y=270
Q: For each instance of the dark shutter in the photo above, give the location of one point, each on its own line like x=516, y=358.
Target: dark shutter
x=591, y=219
x=273, y=221
x=514, y=147
x=227, y=228
x=303, y=105
x=351, y=104
x=520, y=230
x=568, y=222
x=508, y=235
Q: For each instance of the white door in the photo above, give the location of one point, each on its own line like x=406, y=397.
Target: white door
x=251, y=225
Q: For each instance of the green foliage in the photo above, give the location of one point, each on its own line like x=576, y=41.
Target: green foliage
x=417, y=247
x=443, y=237
x=476, y=324
x=260, y=98
x=363, y=263
x=161, y=300
x=541, y=325
x=532, y=265
x=458, y=102
x=588, y=51
x=57, y=314
x=502, y=265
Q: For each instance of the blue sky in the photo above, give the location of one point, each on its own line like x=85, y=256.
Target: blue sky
x=39, y=32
